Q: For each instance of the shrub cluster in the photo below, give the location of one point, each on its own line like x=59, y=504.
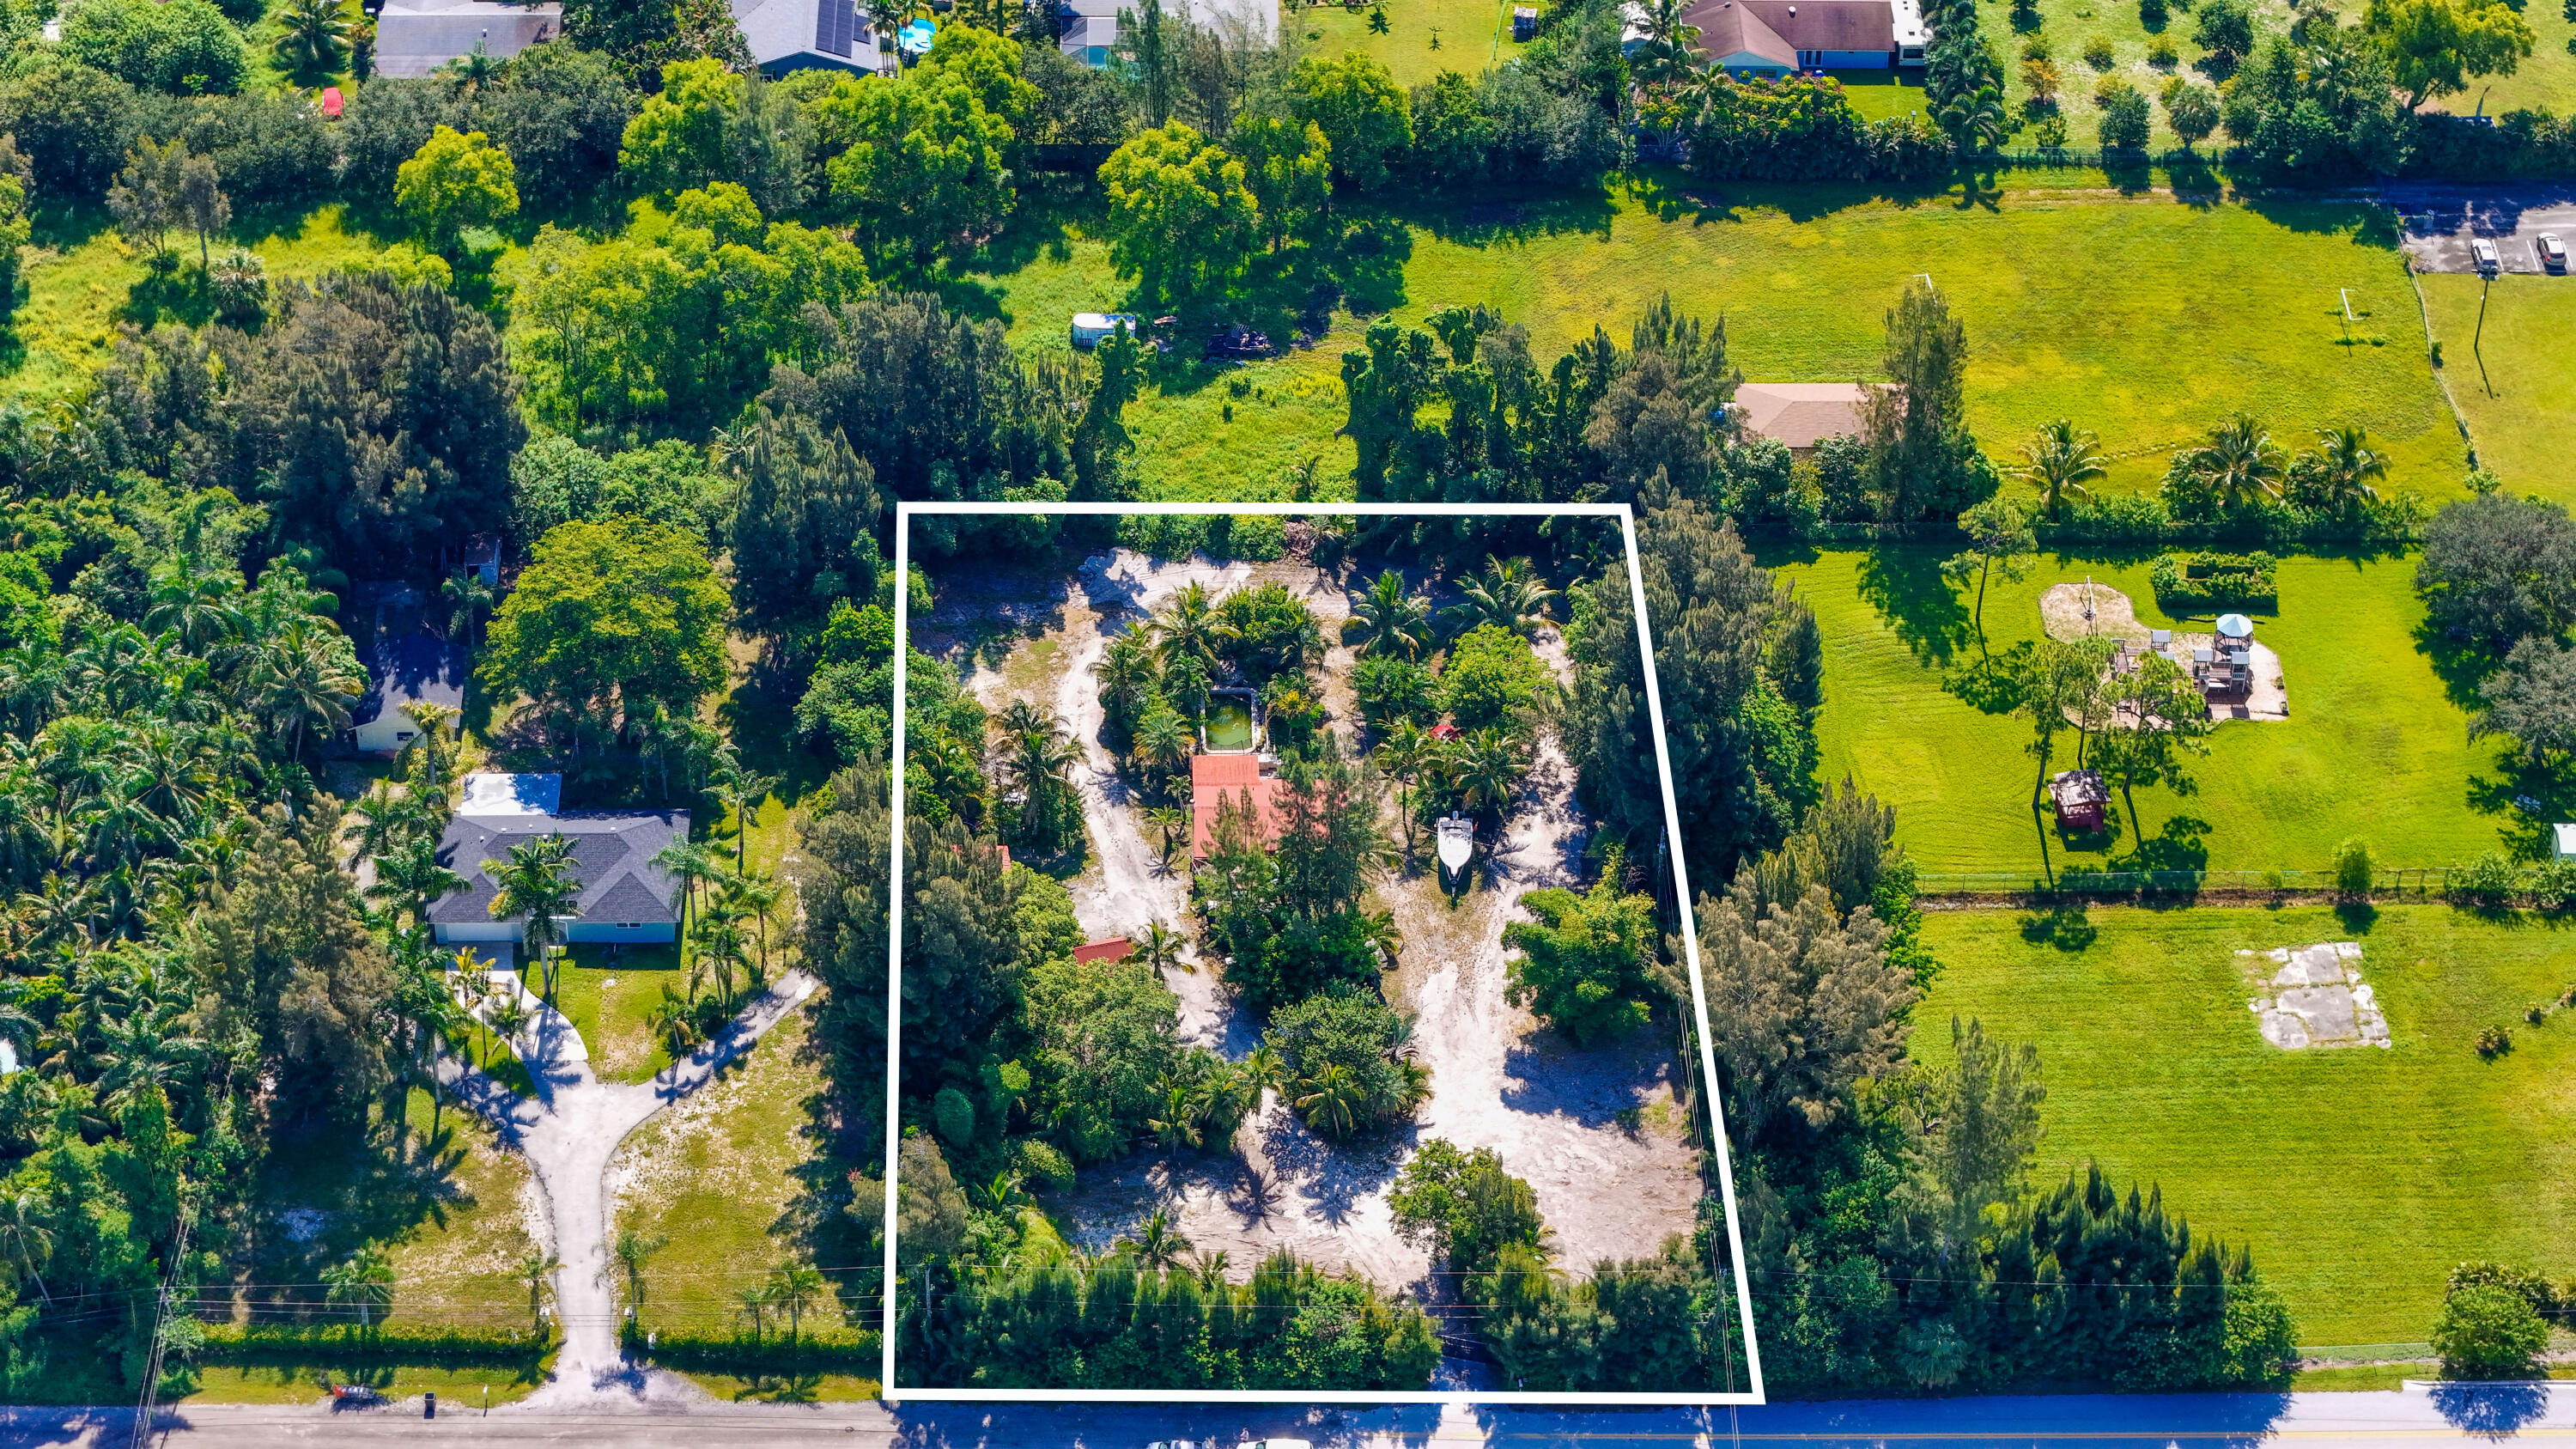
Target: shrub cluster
x=434, y=1344
x=2190, y=581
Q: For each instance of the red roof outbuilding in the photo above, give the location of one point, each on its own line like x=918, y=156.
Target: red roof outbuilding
x=331, y=103
x=1111, y=948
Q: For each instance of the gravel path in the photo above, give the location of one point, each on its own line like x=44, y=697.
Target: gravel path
x=569, y=1133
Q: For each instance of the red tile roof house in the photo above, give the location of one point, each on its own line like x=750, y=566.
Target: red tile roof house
x=1770, y=38
x=1214, y=778
x=1108, y=948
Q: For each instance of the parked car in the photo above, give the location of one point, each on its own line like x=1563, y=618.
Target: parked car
x=1280, y=1444
x=2553, y=253
x=2483, y=252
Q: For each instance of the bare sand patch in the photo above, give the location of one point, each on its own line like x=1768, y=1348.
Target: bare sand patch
x=2073, y=611
x=2313, y=996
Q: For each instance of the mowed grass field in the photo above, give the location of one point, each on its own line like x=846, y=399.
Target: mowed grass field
x=2145, y=318
x=2521, y=403
x=2357, y=1176
x=2374, y=747
x=1471, y=35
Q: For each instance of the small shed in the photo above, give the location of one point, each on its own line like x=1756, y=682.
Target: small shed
x=2080, y=797
x=1090, y=329
x=2566, y=840
x=1524, y=22
x=1108, y=948
x=332, y=104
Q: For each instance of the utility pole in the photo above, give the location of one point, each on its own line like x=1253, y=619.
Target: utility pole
x=149, y=1403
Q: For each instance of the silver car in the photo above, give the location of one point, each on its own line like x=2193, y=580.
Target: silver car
x=2483, y=252
x=2553, y=253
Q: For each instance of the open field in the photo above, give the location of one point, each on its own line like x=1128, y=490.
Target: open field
x=2521, y=404
x=1471, y=35
x=717, y=1176
x=2359, y=1176
x=2144, y=318
x=2068, y=26
x=2374, y=746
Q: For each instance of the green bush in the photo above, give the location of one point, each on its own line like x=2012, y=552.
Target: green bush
x=2353, y=869
x=2488, y=1331
x=2186, y=581
x=952, y=1114
x=827, y=1348
x=434, y=1345
x=2489, y=880
x=184, y=47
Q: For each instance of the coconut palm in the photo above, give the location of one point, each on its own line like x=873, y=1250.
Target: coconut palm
x=673, y=1023
x=1406, y=756
x=692, y=865
x=1486, y=769
x=536, y=1270
x=1164, y=743
x=2240, y=464
x=1333, y=1100
x=537, y=884
x=1506, y=593
x=796, y=1287
x=410, y=880
x=1127, y=676
x=473, y=71
x=507, y=1017
x=2351, y=464
x=316, y=36
x=200, y=608
x=1391, y=619
x=752, y=1303
x=741, y=798
x=27, y=1239
x=1263, y=1070
x=753, y=898
x=1176, y=1123
x=633, y=1251
x=720, y=946
x=308, y=680
x=1208, y=1266
x=1189, y=628
x=1161, y=947
x=1379, y=930
x=364, y=1280
x=1170, y=822
x=1669, y=51
x=2062, y=458
x=1159, y=1243
x=469, y=600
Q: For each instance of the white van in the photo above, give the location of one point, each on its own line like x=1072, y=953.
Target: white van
x=2483, y=252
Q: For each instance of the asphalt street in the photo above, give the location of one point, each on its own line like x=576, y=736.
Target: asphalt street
x=2443, y=1415
x=2440, y=221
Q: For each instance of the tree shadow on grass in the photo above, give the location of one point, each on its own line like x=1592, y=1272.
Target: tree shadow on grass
x=2462, y=665
x=2177, y=845
x=371, y=1185
x=1990, y=683
x=760, y=718
x=2064, y=926
x=1672, y=196
x=1907, y=588
x=2524, y=798
x=1510, y=215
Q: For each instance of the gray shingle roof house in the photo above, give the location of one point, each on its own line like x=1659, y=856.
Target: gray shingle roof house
x=415, y=37
x=624, y=895
x=418, y=667
x=787, y=35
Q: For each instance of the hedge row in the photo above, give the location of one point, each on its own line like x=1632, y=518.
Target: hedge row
x=2190, y=581
x=820, y=1350
x=346, y=1343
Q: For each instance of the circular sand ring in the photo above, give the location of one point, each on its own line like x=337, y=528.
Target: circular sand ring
x=2062, y=611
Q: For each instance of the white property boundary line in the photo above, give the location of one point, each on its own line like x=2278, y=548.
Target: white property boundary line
x=888, y=1390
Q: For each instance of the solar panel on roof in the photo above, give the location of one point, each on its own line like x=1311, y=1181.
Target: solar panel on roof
x=835, y=23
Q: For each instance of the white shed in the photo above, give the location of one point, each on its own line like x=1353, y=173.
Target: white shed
x=2566, y=833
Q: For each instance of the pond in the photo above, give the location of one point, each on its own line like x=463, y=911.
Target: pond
x=1229, y=725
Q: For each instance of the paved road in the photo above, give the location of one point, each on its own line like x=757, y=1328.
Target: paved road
x=2482, y=1415
x=2440, y=221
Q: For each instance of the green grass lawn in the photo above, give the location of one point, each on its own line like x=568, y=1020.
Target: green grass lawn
x=2545, y=82
x=2143, y=318
x=607, y=998
x=460, y=1391
x=80, y=277
x=2520, y=396
x=718, y=1177
x=1471, y=35
x=2373, y=747
x=2358, y=1176
x=2068, y=28
x=1883, y=94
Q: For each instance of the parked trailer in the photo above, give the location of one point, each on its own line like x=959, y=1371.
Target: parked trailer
x=1090, y=329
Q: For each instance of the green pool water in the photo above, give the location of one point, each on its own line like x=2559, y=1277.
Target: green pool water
x=1229, y=725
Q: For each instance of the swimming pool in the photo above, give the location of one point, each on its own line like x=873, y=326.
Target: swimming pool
x=1229, y=725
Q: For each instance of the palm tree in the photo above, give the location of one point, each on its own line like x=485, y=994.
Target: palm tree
x=741, y=798
x=200, y=608
x=315, y=42
x=720, y=946
x=144, y=1053
x=1405, y=756
x=472, y=71
x=1263, y=1070
x=507, y=1017
x=1379, y=930
x=753, y=898
x=673, y=1022
x=1004, y=1196
x=1392, y=619
x=364, y=1279
x=1668, y=52
x=796, y=1287
x=1164, y=742
x=1170, y=822
x=1332, y=1100
x=752, y=1303
x=1189, y=628
x=1178, y=1126
x=691, y=864
x=538, y=886
x=2240, y=463
x=469, y=599
x=1041, y=762
x=536, y=1270
x=1506, y=593
x=2062, y=459
x=27, y=1237
x=1158, y=1242
x=633, y=1251
x=411, y=880
x=1487, y=767
x=1208, y=1266
x=309, y=677
x=2351, y=464
x=1126, y=676
x=1161, y=947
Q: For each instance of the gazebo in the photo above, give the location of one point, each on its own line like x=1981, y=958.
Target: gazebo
x=2080, y=797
